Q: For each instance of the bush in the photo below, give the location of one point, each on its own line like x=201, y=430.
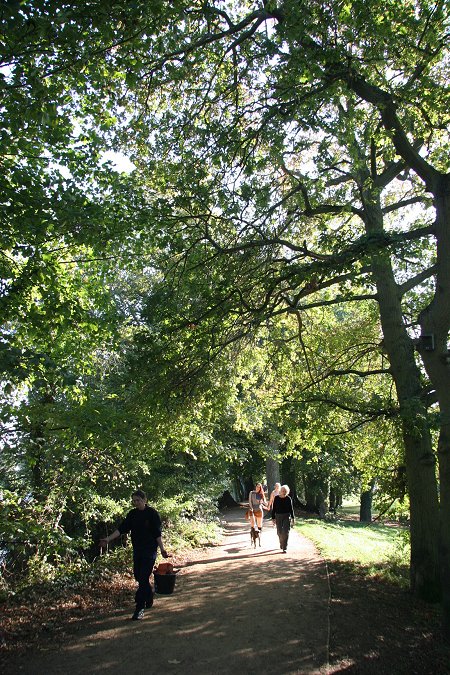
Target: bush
x=48, y=559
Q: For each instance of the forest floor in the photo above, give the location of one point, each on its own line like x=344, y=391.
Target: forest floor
x=235, y=609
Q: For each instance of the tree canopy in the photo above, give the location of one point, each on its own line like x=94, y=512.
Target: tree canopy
x=275, y=267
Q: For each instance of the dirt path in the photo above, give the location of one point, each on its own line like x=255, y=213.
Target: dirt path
x=236, y=610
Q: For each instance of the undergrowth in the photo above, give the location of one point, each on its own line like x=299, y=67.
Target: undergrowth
x=182, y=532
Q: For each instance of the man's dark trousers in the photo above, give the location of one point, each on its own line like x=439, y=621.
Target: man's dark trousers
x=283, y=527
x=143, y=562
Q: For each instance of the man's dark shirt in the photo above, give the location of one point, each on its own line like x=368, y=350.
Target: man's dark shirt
x=145, y=528
x=282, y=505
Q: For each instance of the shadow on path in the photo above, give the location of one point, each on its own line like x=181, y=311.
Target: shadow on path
x=237, y=610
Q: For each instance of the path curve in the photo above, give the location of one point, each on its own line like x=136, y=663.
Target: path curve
x=235, y=610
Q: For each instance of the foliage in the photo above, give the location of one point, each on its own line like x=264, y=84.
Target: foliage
x=43, y=556
x=164, y=328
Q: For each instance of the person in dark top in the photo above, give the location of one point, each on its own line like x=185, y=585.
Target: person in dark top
x=283, y=514
x=144, y=524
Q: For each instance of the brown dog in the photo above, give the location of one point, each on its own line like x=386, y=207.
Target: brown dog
x=255, y=536
x=255, y=526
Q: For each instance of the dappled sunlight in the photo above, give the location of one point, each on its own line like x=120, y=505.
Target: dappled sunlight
x=237, y=609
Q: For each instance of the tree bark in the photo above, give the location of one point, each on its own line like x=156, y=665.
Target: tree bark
x=435, y=321
x=444, y=529
x=365, y=509
x=335, y=499
x=272, y=473
x=310, y=495
x=316, y=490
x=321, y=503
x=419, y=456
x=288, y=476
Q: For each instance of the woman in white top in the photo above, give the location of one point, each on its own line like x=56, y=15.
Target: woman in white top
x=274, y=493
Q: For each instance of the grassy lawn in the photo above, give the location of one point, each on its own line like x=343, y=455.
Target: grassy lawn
x=374, y=549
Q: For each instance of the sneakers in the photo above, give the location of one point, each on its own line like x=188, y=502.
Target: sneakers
x=139, y=613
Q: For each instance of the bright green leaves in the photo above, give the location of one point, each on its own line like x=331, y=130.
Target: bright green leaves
x=223, y=294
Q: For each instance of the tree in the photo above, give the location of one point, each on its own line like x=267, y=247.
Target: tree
x=60, y=208
x=237, y=173
x=246, y=125
x=311, y=58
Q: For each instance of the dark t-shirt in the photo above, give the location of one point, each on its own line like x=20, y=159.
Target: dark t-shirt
x=145, y=528
x=282, y=505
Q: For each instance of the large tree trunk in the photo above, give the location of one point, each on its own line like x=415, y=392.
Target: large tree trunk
x=435, y=323
x=289, y=477
x=365, y=509
x=272, y=473
x=435, y=319
x=316, y=491
x=321, y=503
x=444, y=524
x=309, y=488
x=419, y=456
x=335, y=499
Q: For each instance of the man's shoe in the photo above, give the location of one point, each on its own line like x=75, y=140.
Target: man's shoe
x=138, y=615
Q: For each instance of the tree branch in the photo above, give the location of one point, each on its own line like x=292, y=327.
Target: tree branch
x=385, y=104
x=416, y=280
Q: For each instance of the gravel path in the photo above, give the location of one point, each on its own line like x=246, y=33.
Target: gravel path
x=235, y=610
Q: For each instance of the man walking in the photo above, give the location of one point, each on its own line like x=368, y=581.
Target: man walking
x=144, y=524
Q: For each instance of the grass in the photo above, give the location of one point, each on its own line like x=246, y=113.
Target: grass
x=374, y=549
